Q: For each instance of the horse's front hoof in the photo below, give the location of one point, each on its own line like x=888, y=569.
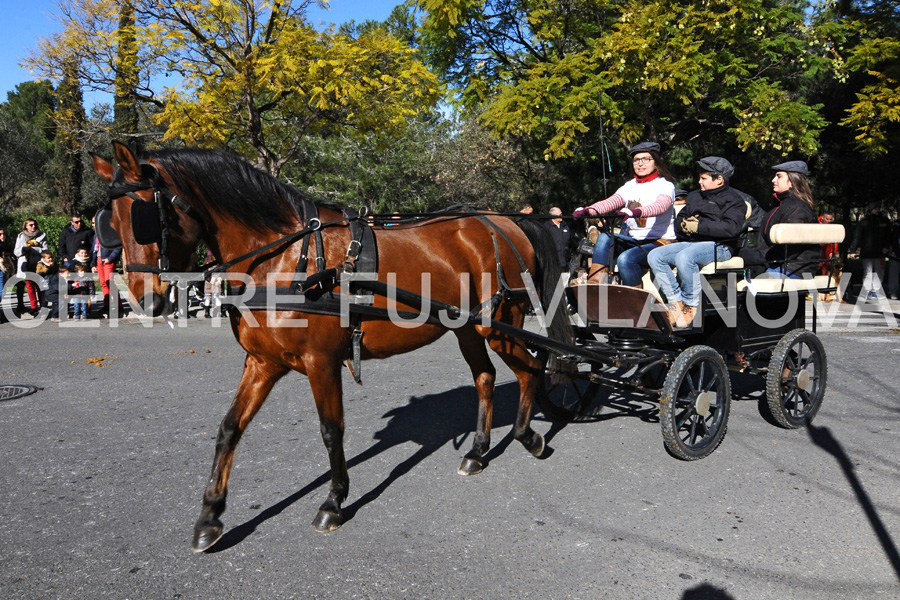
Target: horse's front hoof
x=327, y=521
x=471, y=466
x=205, y=537
x=536, y=446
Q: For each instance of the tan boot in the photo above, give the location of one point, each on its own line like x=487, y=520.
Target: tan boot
x=598, y=274
x=688, y=314
x=676, y=314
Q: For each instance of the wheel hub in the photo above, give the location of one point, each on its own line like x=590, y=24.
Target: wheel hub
x=701, y=404
x=804, y=380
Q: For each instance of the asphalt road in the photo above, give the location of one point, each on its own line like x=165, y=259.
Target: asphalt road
x=103, y=470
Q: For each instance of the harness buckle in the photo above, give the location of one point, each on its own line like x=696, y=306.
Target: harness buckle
x=314, y=224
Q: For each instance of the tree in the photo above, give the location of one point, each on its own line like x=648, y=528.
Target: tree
x=670, y=71
x=70, y=119
x=22, y=156
x=251, y=76
x=862, y=38
x=127, y=72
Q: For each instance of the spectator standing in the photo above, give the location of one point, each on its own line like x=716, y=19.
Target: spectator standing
x=7, y=265
x=75, y=235
x=872, y=243
x=562, y=237
x=893, y=277
x=105, y=267
x=82, y=288
x=30, y=243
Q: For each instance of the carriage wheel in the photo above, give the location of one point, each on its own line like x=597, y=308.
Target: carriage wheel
x=694, y=403
x=564, y=395
x=795, y=383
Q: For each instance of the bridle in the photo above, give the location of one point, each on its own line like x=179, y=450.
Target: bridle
x=157, y=230
x=149, y=220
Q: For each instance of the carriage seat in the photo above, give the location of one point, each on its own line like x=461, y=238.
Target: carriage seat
x=798, y=233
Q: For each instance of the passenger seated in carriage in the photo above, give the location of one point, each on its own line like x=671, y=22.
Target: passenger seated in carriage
x=645, y=202
x=796, y=205
x=707, y=228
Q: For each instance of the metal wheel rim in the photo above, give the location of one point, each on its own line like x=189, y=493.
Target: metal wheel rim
x=801, y=389
x=701, y=382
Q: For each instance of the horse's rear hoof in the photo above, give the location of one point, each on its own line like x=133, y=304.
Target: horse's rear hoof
x=536, y=446
x=470, y=466
x=207, y=536
x=327, y=521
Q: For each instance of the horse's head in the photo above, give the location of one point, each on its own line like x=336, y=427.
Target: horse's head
x=150, y=217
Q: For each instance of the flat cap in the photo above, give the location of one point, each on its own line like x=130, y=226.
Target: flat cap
x=680, y=192
x=793, y=166
x=716, y=166
x=644, y=147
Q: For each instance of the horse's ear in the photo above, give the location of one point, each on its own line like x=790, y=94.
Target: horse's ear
x=103, y=168
x=128, y=162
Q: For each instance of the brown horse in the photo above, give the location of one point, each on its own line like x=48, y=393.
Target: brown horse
x=235, y=209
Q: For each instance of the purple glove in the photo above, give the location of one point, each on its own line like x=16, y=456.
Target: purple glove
x=581, y=212
x=630, y=212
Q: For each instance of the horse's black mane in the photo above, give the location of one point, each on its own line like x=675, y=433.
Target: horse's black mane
x=240, y=190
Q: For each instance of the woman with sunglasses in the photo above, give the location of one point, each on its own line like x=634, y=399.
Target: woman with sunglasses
x=645, y=202
x=29, y=245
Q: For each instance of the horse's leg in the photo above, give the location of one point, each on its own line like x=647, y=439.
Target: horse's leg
x=256, y=382
x=325, y=381
x=473, y=350
x=525, y=367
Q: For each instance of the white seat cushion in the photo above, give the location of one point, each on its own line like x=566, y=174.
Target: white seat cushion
x=806, y=233
x=774, y=286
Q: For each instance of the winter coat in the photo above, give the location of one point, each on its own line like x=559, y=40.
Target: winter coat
x=720, y=213
x=70, y=240
x=800, y=258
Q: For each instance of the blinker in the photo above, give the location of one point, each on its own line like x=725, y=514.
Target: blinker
x=145, y=222
x=108, y=236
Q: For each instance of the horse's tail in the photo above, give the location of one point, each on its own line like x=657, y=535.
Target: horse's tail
x=547, y=280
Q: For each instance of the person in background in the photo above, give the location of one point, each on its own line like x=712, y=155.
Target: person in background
x=562, y=237
x=82, y=287
x=829, y=262
x=30, y=243
x=893, y=277
x=75, y=235
x=50, y=288
x=872, y=243
x=708, y=228
x=7, y=265
x=527, y=209
x=105, y=267
x=645, y=203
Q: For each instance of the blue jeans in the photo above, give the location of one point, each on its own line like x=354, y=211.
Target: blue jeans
x=2, y=283
x=631, y=258
x=688, y=258
x=778, y=273
x=81, y=308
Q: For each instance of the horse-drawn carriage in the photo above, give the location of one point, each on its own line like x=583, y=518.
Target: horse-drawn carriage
x=755, y=326
x=316, y=286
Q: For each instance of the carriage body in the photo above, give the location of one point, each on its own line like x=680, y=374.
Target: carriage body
x=756, y=326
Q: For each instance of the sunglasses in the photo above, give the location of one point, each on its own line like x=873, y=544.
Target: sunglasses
x=31, y=225
x=78, y=222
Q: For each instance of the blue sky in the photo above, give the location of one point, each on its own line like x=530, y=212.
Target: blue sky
x=26, y=21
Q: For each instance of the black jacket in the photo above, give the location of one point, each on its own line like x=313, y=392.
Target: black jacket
x=720, y=213
x=872, y=237
x=800, y=258
x=70, y=240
